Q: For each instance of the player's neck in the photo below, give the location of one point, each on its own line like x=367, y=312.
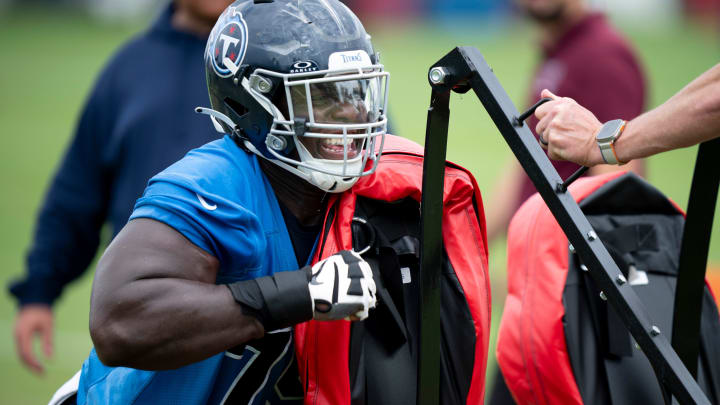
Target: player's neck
x=552, y=31
x=305, y=201
x=186, y=21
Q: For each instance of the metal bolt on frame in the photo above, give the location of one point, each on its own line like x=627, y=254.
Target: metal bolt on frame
x=437, y=75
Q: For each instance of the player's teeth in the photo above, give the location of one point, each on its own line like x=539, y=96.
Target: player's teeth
x=334, y=141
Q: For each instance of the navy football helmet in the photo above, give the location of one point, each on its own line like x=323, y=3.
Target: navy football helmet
x=298, y=82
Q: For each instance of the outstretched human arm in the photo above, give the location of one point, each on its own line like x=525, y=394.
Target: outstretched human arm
x=155, y=305
x=689, y=117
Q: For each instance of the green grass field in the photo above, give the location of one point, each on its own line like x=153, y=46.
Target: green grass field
x=48, y=63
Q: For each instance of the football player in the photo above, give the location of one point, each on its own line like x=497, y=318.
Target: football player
x=195, y=298
x=205, y=296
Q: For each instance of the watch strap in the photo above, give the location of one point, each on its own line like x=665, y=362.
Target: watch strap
x=612, y=144
x=608, y=154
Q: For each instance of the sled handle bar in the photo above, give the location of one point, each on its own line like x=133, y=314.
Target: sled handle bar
x=464, y=69
x=520, y=120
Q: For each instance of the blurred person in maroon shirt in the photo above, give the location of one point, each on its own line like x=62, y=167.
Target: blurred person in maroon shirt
x=582, y=57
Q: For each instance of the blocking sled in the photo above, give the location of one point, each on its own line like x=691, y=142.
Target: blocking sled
x=560, y=342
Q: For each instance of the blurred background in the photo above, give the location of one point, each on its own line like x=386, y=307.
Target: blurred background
x=51, y=52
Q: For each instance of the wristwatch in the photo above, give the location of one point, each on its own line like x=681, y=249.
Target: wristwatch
x=609, y=133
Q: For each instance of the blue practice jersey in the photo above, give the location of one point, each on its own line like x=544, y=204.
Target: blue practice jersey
x=217, y=197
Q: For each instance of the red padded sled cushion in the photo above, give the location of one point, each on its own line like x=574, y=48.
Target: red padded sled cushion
x=531, y=348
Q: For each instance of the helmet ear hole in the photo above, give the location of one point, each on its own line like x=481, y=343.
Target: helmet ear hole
x=237, y=108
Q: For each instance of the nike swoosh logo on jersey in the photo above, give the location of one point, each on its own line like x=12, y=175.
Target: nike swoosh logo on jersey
x=205, y=203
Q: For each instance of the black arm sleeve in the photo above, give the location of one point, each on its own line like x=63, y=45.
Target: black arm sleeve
x=67, y=232
x=277, y=301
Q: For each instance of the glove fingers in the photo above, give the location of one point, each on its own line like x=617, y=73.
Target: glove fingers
x=369, y=288
x=342, y=286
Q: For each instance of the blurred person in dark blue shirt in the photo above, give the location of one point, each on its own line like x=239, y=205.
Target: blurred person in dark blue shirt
x=137, y=120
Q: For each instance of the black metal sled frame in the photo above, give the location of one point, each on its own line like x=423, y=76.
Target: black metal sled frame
x=462, y=69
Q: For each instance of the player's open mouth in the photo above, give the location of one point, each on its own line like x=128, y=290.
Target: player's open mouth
x=333, y=148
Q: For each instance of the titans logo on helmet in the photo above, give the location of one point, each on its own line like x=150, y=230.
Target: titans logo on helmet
x=230, y=44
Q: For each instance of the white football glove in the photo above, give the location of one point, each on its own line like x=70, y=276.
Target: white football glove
x=341, y=286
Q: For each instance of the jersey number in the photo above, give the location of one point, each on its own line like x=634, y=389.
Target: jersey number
x=267, y=372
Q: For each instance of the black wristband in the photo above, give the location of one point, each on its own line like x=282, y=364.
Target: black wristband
x=277, y=301
x=248, y=295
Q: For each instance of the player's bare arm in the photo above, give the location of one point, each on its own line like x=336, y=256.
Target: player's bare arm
x=155, y=305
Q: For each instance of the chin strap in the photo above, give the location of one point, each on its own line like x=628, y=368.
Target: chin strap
x=333, y=183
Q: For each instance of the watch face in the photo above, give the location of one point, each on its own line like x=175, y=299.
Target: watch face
x=608, y=131
x=604, y=136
